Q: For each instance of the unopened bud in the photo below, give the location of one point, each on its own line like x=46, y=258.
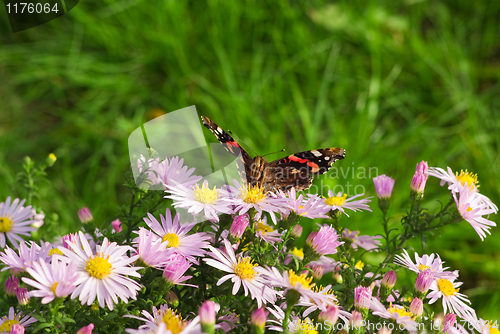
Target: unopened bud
x=417, y=307
x=11, y=285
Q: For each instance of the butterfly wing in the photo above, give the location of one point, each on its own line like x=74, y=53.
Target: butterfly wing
x=244, y=161
x=297, y=170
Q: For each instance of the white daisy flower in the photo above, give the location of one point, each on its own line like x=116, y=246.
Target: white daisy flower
x=103, y=275
x=242, y=271
x=432, y=262
x=16, y=220
x=196, y=200
x=177, y=235
x=472, y=208
x=455, y=302
x=341, y=202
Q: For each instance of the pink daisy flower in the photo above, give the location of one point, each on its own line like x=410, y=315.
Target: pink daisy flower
x=177, y=235
x=152, y=251
x=103, y=275
x=394, y=312
x=289, y=280
x=169, y=318
x=325, y=241
x=173, y=173
x=242, y=272
x=457, y=181
x=7, y=321
x=364, y=241
x=28, y=255
x=341, y=202
x=175, y=268
x=16, y=220
x=311, y=207
x=57, y=279
x=472, y=208
x=432, y=262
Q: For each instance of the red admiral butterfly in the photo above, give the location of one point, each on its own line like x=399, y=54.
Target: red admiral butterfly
x=296, y=170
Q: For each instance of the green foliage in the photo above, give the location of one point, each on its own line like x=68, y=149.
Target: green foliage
x=391, y=82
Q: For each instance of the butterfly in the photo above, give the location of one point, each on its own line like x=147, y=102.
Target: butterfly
x=294, y=171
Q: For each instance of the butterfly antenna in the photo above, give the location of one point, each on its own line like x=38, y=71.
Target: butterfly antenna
x=241, y=141
x=282, y=150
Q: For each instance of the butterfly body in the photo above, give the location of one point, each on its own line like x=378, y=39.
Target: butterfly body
x=294, y=171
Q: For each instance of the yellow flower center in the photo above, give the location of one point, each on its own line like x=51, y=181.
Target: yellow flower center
x=173, y=240
x=5, y=224
x=467, y=177
x=293, y=278
x=320, y=288
x=401, y=311
x=52, y=157
x=261, y=227
x=7, y=325
x=493, y=326
x=55, y=251
x=54, y=287
x=205, y=195
x=336, y=200
x=99, y=266
x=423, y=267
x=446, y=287
x=252, y=195
x=174, y=322
x=298, y=252
x=243, y=268
x=306, y=327
x=360, y=265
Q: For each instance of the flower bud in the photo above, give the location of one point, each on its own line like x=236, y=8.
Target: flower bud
x=11, y=285
x=449, y=321
x=389, y=279
x=238, y=226
x=207, y=316
x=362, y=299
x=51, y=160
x=384, y=330
x=296, y=231
x=172, y=299
x=356, y=320
x=317, y=271
x=330, y=314
x=383, y=186
x=21, y=294
x=258, y=319
x=17, y=329
x=117, y=225
x=311, y=237
x=86, y=330
x=424, y=281
x=85, y=215
x=417, y=307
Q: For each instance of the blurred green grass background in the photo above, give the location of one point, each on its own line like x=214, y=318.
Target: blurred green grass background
x=392, y=82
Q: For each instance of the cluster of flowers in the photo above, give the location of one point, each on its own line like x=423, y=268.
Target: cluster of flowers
x=246, y=236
